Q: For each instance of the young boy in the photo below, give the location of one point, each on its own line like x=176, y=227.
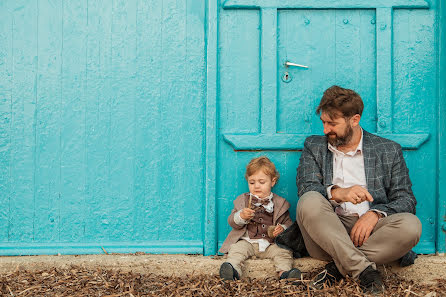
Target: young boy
x=253, y=213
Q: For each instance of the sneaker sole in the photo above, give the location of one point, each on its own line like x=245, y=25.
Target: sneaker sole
x=226, y=271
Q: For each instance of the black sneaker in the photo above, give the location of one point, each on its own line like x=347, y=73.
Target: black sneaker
x=228, y=272
x=293, y=273
x=328, y=277
x=371, y=282
x=408, y=259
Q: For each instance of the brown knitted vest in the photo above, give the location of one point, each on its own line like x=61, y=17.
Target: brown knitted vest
x=258, y=226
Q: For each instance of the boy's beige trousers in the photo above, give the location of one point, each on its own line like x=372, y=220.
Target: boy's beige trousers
x=242, y=250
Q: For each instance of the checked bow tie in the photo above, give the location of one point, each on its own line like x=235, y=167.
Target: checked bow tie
x=256, y=200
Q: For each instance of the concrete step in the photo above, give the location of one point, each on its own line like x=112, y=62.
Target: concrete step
x=426, y=269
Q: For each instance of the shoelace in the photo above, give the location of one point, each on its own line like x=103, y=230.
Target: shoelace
x=320, y=279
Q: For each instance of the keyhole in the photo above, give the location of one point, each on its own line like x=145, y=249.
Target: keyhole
x=286, y=77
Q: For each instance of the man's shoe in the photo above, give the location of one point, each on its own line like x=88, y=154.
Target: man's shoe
x=293, y=273
x=228, y=272
x=371, y=282
x=408, y=259
x=327, y=277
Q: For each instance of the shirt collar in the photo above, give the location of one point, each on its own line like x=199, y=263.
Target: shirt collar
x=358, y=149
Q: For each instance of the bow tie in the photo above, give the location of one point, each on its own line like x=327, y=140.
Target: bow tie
x=256, y=200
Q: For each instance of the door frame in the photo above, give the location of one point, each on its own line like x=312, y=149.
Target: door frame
x=441, y=159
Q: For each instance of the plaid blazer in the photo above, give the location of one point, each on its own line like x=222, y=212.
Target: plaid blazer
x=385, y=169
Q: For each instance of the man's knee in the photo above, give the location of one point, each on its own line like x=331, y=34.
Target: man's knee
x=310, y=205
x=410, y=226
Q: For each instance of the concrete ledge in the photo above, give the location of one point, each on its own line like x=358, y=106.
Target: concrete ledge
x=425, y=270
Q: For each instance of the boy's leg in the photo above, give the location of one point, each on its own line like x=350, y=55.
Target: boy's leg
x=326, y=237
x=239, y=252
x=282, y=258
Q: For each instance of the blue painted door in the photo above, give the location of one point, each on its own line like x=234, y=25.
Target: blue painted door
x=385, y=50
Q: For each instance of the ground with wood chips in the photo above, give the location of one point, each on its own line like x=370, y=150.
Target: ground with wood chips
x=191, y=275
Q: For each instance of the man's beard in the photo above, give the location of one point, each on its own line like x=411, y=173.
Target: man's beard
x=341, y=140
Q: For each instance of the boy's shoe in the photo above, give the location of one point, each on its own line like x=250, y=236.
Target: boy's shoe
x=228, y=272
x=371, y=282
x=329, y=276
x=293, y=273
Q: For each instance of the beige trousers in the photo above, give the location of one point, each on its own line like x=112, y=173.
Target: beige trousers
x=327, y=236
x=242, y=250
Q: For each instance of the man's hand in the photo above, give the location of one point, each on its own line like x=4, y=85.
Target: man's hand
x=355, y=194
x=279, y=229
x=247, y=214
x=363, y=227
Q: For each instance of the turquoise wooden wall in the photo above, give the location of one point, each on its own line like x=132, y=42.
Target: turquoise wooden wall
x=101, y=143
x=127, y=125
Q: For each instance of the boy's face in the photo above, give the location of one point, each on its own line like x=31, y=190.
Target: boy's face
x=260, y=184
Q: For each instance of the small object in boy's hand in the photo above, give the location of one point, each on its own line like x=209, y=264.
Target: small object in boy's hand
x=271, y=231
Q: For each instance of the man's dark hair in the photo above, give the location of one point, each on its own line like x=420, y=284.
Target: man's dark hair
x=338, y=101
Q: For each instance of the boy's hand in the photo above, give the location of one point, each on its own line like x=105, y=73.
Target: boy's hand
x=247, y=214
x=279, y=229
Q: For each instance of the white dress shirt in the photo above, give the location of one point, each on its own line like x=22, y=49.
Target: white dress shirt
x=348, y=170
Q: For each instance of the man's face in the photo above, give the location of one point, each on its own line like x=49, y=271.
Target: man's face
x=338, y=130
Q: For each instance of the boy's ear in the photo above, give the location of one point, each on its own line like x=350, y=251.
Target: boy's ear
x=273, y=182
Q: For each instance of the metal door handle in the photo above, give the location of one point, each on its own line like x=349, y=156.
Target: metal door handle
x=294, y=64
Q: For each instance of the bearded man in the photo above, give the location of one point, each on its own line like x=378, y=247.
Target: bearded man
x=356, y=206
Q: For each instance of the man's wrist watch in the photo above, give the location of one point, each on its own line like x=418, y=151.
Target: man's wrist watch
x=380, y=215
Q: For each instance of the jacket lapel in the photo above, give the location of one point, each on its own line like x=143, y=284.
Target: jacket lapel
x=368, y=150
x=328, y=174
x=278, y=209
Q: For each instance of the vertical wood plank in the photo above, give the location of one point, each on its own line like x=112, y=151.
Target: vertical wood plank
x=384, y=90
x=174, y=51
x=268, y=71
x=5, y=116
x=98, y=96
x=192, y=141
x=23, y=125
x=47, y=180
x=149, y=142
x=239, y=60
x=210, y=211
x=73, y=143
x=123, y=118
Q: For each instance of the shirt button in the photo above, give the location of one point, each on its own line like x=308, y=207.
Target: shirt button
x=263, y=226
x=263, y=235
x=260, y=219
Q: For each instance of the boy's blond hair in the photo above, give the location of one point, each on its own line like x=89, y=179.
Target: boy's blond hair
x=264, y=164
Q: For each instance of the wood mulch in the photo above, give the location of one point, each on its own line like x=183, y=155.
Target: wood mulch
x=80, y=281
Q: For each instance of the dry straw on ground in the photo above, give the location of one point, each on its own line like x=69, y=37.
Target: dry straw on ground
x=80, y=281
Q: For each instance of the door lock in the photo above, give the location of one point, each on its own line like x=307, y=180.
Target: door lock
x=286, y=77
